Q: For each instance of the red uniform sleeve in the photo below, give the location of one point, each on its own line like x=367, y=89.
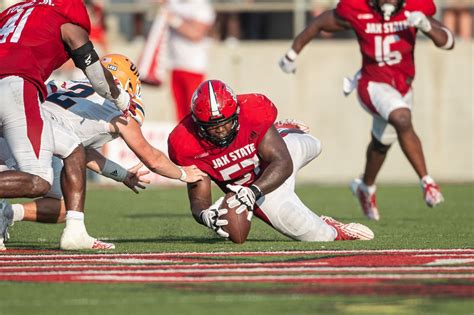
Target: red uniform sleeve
x=173, y=149
x=259, y=111
x=181, y=146
x=74, y=11
x=426, y=6
x=345, y=10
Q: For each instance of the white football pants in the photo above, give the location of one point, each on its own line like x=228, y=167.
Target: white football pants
x=284, y=209
x=385, y=99
x=27, y=133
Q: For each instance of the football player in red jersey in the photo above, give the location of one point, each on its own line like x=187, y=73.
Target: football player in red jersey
x=386, y=31
x=30, y=49
x=233, y=139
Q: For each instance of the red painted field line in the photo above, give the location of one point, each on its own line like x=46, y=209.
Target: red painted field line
x=252, y=253
x=227, y=270
x=259, y=278
x=116, y=261
x=251, y=266
x=281, y=278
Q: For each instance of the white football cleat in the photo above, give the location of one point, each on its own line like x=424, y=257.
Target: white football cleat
x=292, y=124
x=350, y=231
x=6, y=219
x=431, y=192
x=77, y=241
x=367, y=199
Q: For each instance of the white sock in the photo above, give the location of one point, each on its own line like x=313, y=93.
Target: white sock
x=18, y=212
x=427, y=179
x=75, y=221
x=369, y=189
x=74, y=215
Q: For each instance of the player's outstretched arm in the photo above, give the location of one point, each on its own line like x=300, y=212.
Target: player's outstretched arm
x=441, y=36
x=133, y=178
x=85, y=58
x=328, y=21
x=153, y=158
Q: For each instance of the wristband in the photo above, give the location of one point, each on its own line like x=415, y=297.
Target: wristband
x=291, y=55
x=183, y=176
x=256, y=191
x=114, y=171
x=84, y=56
x=450, y=41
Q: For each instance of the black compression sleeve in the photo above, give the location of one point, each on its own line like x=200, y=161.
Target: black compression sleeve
x=84, y=56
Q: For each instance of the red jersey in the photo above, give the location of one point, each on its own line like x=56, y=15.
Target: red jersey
x=387, y=47
x=238, y=163
x=30, y=37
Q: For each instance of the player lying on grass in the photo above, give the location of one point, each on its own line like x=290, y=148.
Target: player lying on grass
x=75, y=109
x=234, y=140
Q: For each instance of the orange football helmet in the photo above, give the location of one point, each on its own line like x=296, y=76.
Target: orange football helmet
x=126, y=73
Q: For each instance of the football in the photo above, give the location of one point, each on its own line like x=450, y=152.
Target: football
x=238, y=227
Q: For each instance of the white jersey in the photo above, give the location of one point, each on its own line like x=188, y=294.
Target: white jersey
x=186, y=54
x=76, y=106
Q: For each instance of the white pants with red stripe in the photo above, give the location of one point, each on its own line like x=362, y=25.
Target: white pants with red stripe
x=65, y=141
x=283, y=209
x=28, y=135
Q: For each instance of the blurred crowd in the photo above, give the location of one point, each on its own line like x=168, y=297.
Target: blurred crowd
x=174, y=34
x=256, y=20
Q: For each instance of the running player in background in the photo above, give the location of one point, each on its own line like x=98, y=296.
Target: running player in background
x=233, y=139
x=386, y=31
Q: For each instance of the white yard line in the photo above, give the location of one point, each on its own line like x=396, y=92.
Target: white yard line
x=220, y=270
x=442, y=252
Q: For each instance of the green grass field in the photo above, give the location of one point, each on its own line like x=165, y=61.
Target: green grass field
x=158, y=220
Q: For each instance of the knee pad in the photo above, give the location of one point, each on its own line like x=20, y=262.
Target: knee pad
x=379, y=147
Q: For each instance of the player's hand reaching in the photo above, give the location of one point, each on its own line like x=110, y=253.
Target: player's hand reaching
x=191, y=174
x=244, y=198
x=419, y=20
x=210, y=217
x=134, y=178
x=287, y=63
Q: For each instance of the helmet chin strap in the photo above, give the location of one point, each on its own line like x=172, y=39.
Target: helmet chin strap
x=387, y=10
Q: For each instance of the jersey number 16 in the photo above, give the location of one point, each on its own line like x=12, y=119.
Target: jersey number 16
x=383, y=52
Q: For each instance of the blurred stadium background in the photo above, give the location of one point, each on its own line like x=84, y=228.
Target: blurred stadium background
x=248, y=38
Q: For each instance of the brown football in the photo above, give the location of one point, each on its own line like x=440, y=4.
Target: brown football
x=238, y=227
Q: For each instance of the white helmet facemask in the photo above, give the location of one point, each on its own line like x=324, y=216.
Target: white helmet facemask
x=387, y=10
